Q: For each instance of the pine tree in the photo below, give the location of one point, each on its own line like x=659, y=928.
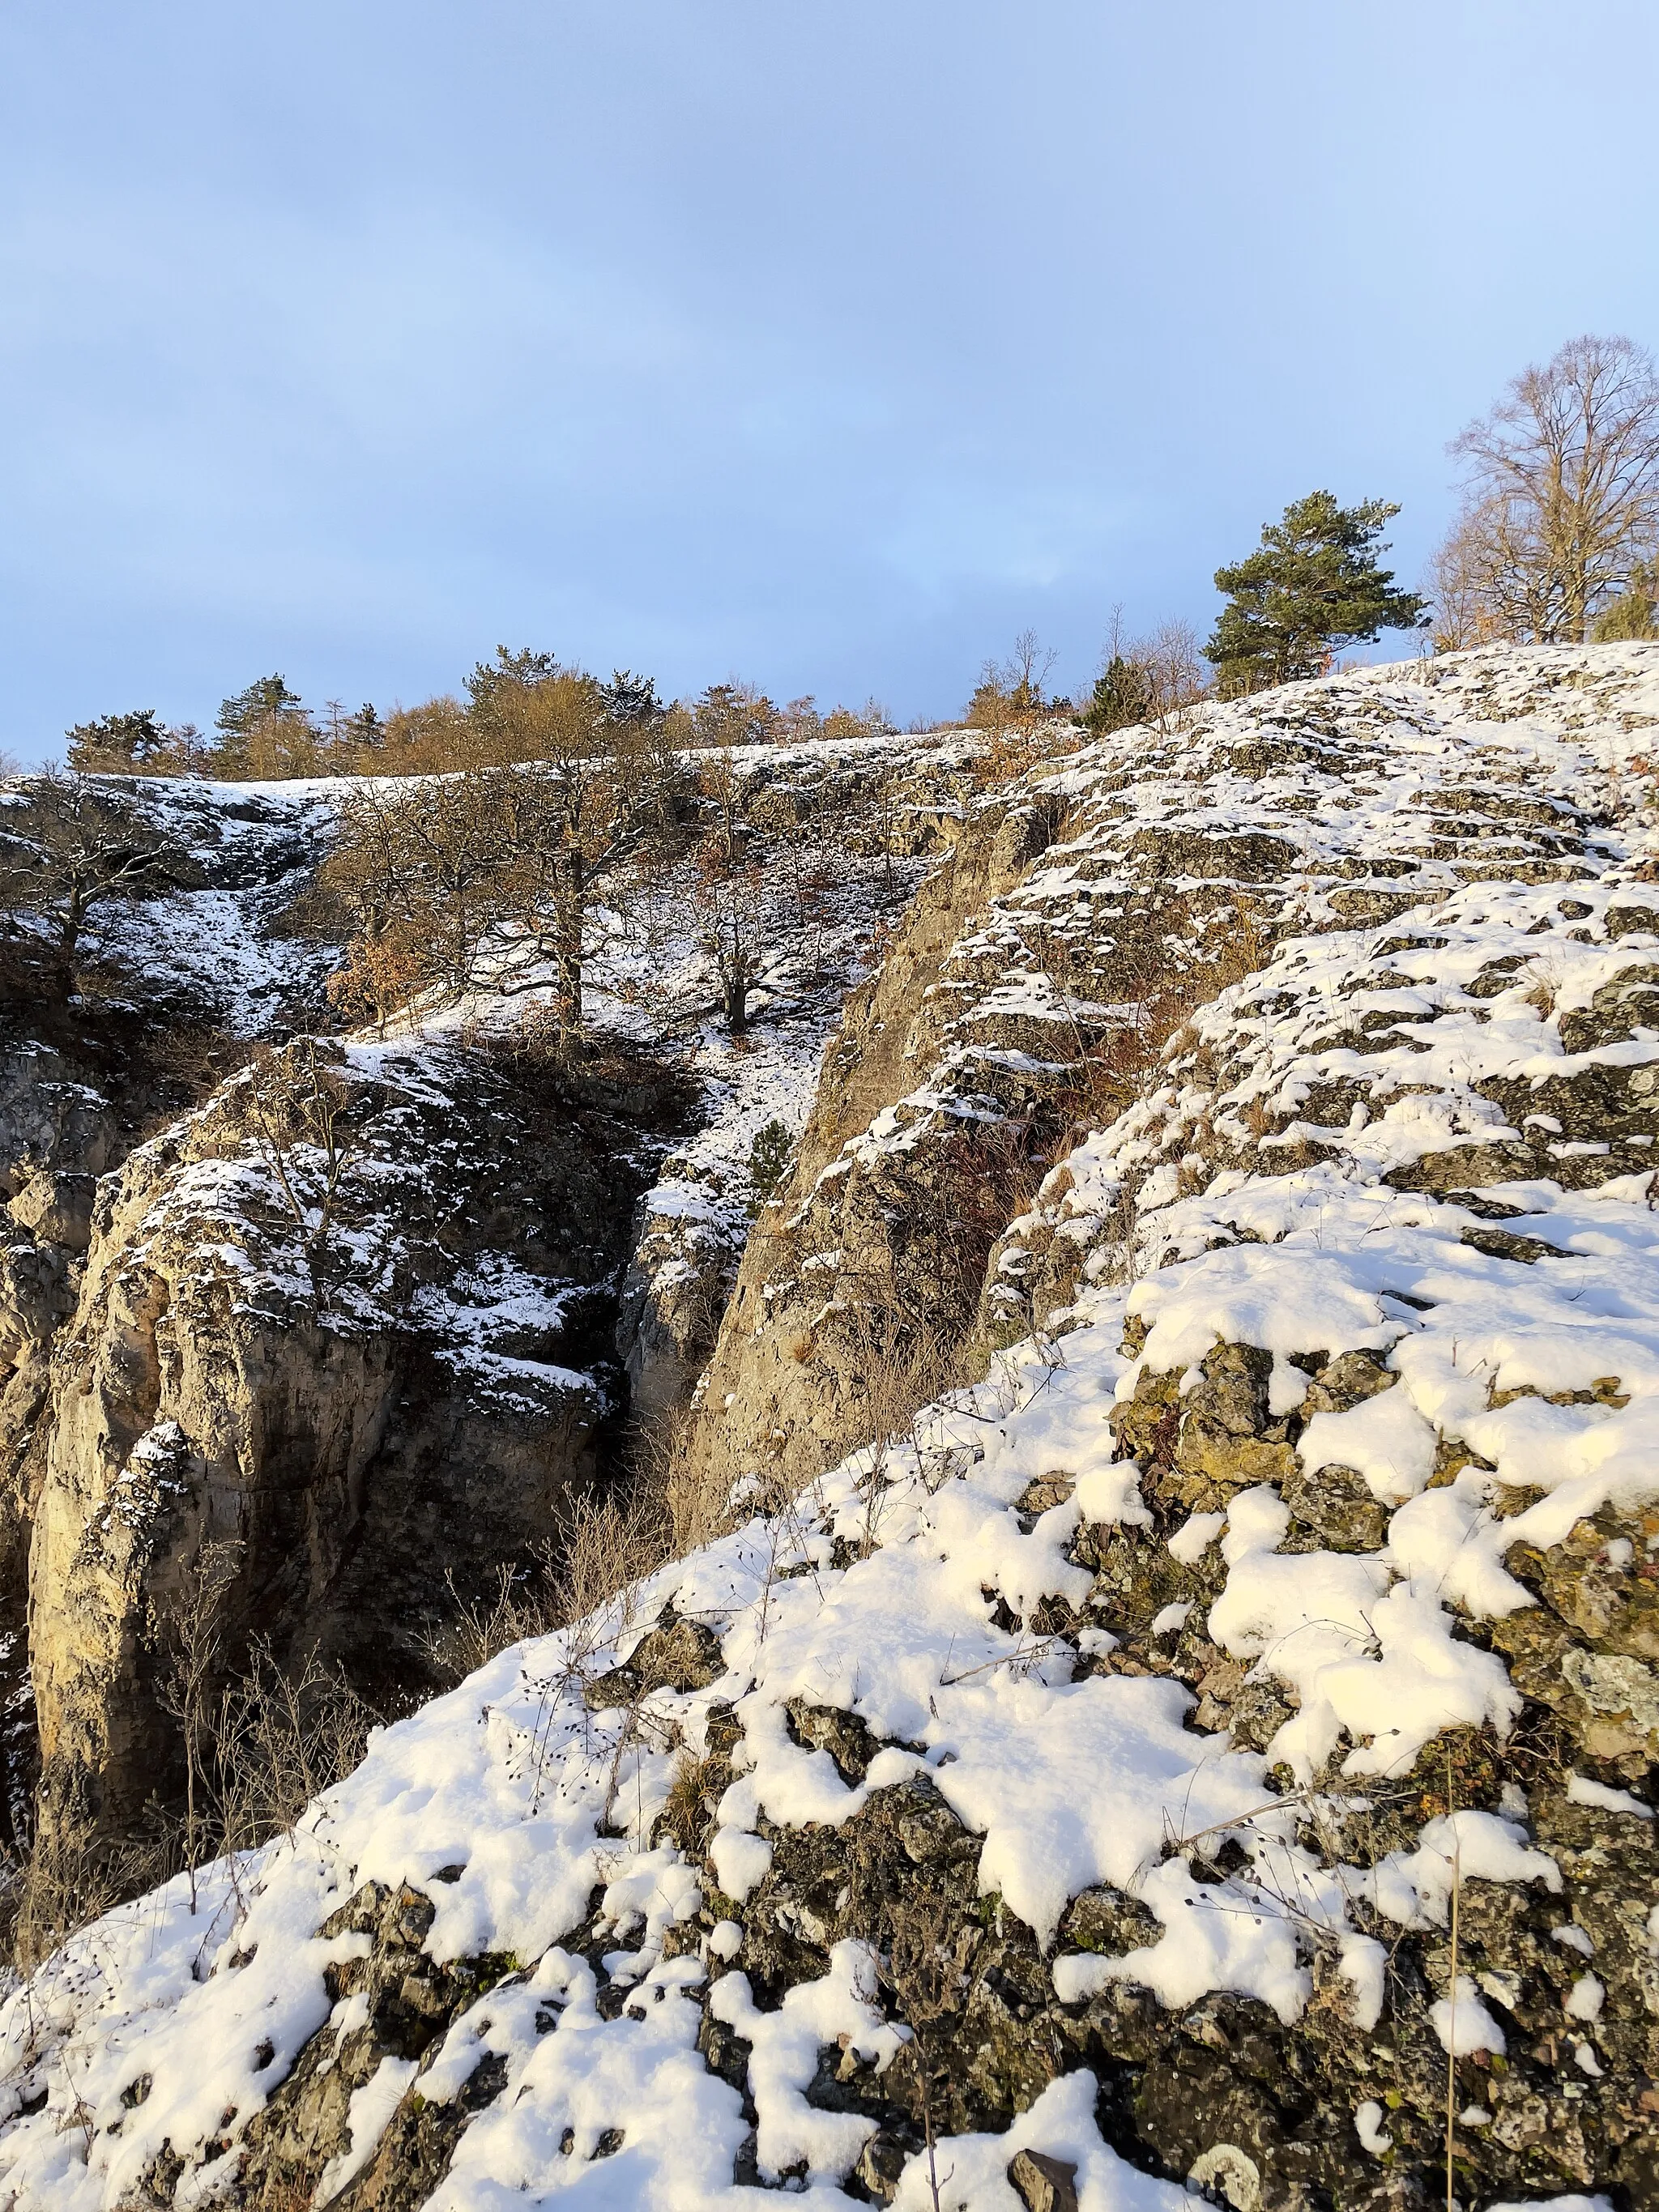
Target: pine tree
x=1120, y=698
x=136, y=740
x=1314, y=584
x=266, y=698
x=632, y=699
x=508, y=676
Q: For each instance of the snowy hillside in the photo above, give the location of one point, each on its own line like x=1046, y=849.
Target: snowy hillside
x=218, y=946
x=1178, y=1763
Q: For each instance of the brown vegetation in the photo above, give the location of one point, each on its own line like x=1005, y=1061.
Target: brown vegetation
x=1562, y=500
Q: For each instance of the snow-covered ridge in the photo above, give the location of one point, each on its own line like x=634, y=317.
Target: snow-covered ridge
x=1328, y=1467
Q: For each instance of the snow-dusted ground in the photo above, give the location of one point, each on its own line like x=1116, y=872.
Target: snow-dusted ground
x=829, y=889
x=514, y=1780
x=694, y=1219
x=258, y=846
x=1070, y=1773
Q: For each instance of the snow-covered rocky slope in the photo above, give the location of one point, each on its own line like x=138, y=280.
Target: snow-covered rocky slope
x=1215, y=1752
x=379, y=1403
x=219, y=948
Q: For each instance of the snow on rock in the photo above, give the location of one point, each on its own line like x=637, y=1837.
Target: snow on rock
x=1103, y=1747
x=973, y=2169
x=221, y=945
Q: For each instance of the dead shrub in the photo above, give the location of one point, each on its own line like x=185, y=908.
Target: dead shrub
x=691, y=1488
x=284, y=1736
x=922, y=1975
x=989, y=1174
x=271, y=1742
x=605, y=1546
x=194, y=1640
x=65, y=1879
x=477, y=1629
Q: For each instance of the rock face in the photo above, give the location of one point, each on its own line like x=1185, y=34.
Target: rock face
x=371, y=1412
x=171, y=993
x=843, y=831
x=1078, y=920
x=422, y=1381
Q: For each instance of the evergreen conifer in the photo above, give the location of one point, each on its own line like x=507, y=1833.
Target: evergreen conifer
x=265, y=698
x=136, y=740
x=1122, y=697
x=1313, y=584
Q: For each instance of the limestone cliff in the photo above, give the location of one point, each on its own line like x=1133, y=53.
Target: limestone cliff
x=351, y=1319
x=1084, y=914
x=367, y=1315
x=170, y=994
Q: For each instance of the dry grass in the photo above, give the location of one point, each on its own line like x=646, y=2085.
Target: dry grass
x=285, y=1736
x=604, y=1547
x=63, y=1882
x=688, y=1814
x=270, y=1743
x=476, y=1630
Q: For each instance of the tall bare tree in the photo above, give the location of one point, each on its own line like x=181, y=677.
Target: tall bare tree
x=1010, y=691
x=733, y=912
x=418, y=867
x=511, y=859
x=1562, y=497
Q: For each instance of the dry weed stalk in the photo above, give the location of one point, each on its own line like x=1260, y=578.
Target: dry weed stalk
x=914, y=1371
x=513, y=1610
x=187, y=1692
x=694, y=1488
x=285, y=1736
x=920, y=1970
x=606, y=1550
x=255, y=1759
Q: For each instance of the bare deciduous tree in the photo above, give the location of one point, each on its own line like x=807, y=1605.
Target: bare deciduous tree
x=299, y=1106
x=417, y=868
x=1562, y=497
x=1009, y=692
x=1173, y=663
x=733, y=912
x=511, y=859
x=73, y=846
x=1157, y=678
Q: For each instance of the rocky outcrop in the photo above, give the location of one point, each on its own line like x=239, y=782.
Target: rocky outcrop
x=1081, y=917
x=371, y=1410
x=170, y=992
x=350, y=1321
x=843, y=832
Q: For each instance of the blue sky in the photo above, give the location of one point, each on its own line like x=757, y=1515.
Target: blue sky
x=829, y=346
